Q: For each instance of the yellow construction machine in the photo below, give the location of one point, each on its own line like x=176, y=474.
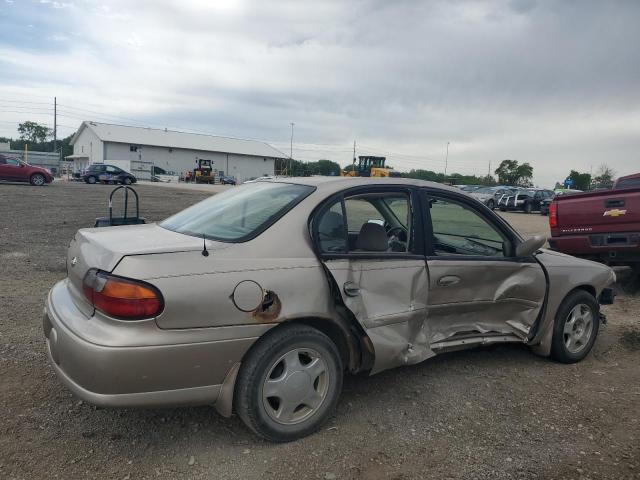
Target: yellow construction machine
x=369, y=167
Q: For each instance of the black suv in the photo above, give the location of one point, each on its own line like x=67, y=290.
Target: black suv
x=100, y=172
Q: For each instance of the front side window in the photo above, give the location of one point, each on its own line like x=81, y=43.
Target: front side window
x=367, y=223
x=240, y=213
x=459, y=230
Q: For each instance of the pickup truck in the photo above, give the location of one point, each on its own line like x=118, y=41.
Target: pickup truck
x=601, y=225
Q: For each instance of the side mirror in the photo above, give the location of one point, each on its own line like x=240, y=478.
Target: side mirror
x=530, y=246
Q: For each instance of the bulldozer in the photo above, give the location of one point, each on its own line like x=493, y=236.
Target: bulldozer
x=369, y=167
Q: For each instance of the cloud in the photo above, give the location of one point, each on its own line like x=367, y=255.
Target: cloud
x=551, y=83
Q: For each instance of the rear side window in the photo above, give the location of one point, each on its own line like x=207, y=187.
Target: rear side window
x=238, y=214
x=629, y=183
x=367, y=223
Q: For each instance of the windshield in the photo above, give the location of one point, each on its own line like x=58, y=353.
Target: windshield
x=240, y=213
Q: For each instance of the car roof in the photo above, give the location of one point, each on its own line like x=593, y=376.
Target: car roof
x=336, y=184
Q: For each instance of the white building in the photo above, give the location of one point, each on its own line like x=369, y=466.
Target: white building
x=137, y=149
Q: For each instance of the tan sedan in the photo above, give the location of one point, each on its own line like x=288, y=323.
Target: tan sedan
x=259, y=299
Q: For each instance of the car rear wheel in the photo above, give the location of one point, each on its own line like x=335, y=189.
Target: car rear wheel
x=289, y=383
x=576, y=327
x=37, y=179
x=91, y=179
x=527, y=207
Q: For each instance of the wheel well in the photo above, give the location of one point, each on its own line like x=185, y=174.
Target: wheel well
x=587, y=288
x=349, y=346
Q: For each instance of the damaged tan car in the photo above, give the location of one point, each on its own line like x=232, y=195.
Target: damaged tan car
x=259, y=299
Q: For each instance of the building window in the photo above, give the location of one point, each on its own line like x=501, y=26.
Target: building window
x=133, y=148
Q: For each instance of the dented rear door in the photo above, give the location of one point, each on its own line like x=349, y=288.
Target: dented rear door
x=476, y=287
x=385, y=288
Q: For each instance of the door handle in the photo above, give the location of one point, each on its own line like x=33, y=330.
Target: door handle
x=614, y=202
x=448, y=280
x=351, y=289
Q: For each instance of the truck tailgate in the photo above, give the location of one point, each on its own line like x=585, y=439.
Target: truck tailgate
x=611, y=211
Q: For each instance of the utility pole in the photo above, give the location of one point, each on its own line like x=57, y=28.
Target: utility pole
x=291, y=152
x=354, y=155
x=446, y=161
x=55, y=124
x=489, y=174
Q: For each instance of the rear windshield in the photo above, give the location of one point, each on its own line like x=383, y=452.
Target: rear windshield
x=240, y=213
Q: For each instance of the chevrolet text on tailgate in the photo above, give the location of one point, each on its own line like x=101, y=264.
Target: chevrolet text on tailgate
x=601, y=225
x=259, y=299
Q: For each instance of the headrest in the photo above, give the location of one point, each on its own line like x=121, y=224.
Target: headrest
x=372, y=238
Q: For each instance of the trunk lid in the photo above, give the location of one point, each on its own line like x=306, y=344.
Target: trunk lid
x=103, y=248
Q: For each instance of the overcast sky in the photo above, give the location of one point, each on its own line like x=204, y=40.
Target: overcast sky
x=552, y=83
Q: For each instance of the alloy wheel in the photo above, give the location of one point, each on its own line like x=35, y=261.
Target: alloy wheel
x=578, y=328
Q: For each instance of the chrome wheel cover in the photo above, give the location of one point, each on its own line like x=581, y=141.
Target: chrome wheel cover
x=295, y=386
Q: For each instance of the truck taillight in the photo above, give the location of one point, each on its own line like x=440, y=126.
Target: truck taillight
x=553, y=215
x=121, y=297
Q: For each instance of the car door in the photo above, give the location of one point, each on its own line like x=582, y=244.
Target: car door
x=478, y=289
x=369, y=240
x=12, y=170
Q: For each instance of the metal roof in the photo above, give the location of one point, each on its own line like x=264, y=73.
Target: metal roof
x=172, y=139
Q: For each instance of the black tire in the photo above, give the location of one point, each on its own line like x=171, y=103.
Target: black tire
x=491, y=204
x=527, y=207
x=262, y=362
x=37, y=180
x=559, y=349
x=127, y=181
x=91, y=179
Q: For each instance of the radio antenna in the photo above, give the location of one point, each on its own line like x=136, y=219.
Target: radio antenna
x=205, y=252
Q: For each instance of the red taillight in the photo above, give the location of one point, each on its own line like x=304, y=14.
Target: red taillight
x=121, y=297
x=553, y=215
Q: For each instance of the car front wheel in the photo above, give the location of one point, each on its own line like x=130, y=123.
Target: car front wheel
x=37, y=179
x=289, y=383
x=127, y=181
x=576, y=327
x=527, y=207
x=491, y=204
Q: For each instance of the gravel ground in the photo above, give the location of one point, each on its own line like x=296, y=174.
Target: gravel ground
x=498, y=412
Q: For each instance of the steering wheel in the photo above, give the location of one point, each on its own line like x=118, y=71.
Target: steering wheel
x=399, y=232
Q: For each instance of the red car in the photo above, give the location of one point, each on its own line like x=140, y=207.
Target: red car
x=14, y=170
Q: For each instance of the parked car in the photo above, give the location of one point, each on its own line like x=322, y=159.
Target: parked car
x=527, y=200
x=602, y=225
x=490, y=195
x=227, y=180
x=258, y=299
x=15, y=170
x=103, y=173
x=544, y=204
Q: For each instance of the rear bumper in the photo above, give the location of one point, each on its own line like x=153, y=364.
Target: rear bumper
x=134, y=376
x=614, y=248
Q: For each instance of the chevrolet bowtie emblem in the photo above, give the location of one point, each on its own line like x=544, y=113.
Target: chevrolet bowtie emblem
x=74, y=260
x=616, y=212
